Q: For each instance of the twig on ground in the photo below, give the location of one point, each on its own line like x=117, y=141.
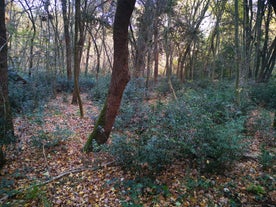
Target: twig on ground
x=46, y=161
x=104, y=165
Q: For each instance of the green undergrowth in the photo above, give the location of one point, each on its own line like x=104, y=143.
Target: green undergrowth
x=203, y=126
x=42, y=87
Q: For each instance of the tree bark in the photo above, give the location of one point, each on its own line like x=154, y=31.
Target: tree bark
x=119, y=78
x=258, y=37
x=6, y=124
x=87, y=56
x=67, y=40
x=77, y=58
x=237, y=52
x=144, y=37
x=156, y=50
x=268, y=53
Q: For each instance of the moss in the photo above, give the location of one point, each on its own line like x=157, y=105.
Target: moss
x=98, y=133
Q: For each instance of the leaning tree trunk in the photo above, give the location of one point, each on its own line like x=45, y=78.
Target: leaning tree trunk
x=120, y=75
x=6, y=125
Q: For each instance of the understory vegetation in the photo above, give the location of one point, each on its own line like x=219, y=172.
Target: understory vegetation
x=203, y=125
x=201, y=131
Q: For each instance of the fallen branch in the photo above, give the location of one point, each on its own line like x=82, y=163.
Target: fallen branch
x=56, y=178
x=46, y=161
x=173, y=91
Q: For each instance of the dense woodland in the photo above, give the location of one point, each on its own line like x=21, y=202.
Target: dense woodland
x=138, y=103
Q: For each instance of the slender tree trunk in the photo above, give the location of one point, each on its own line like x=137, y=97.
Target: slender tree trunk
x=6, y=124
x=67, y=40
x=31, y=17
x=144, y=36
x=258, y=37
x=77, y=58
x=271, y=59
x=215, y=36
x=247, y=40
x=149, y=66
x=98, y=55
x=237, y=51
x=32, y=49
x=156, y=51
x=268, y=53
x=87, y=56
x=182, y=65
x=106, y=51
x=120, y=75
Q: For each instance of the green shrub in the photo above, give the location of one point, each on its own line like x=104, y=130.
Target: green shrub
x=267, y=159
x=204, y=126
x=100, y=89
x=37, y=193
x=263, y=121
x=125, y=151
x=163, y=87
x=134, y=92
x=48, y=140
x=256, y=189
x=25, y=98
x=144, y=157
x=87, y=83
x=217, y=147
x=63, y=85
x=264, y=94
x=133, y=112
x=141, y=186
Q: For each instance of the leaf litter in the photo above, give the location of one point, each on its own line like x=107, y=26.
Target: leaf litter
x=62, y=175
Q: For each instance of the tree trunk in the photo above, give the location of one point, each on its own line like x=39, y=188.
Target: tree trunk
x=271, y=61
x=247, y=40
x=268, y=53
x=87, y=56
x=77, y=58
x=94, y=39
x=6, y=124
x=149, y=66
x=156, y=50
x=120, y=75
x=144, y=37
x=67, y=40
x=237, y=52
x=258, y=37
x=31, y=17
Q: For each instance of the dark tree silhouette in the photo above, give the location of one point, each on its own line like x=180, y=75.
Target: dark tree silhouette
x=6, y=125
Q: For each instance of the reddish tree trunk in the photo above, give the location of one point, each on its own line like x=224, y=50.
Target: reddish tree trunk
x=120, y=75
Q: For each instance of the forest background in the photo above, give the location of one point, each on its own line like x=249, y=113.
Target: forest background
x=200, y=94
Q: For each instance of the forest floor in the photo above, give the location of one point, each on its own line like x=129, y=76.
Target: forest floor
x=47, y=167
